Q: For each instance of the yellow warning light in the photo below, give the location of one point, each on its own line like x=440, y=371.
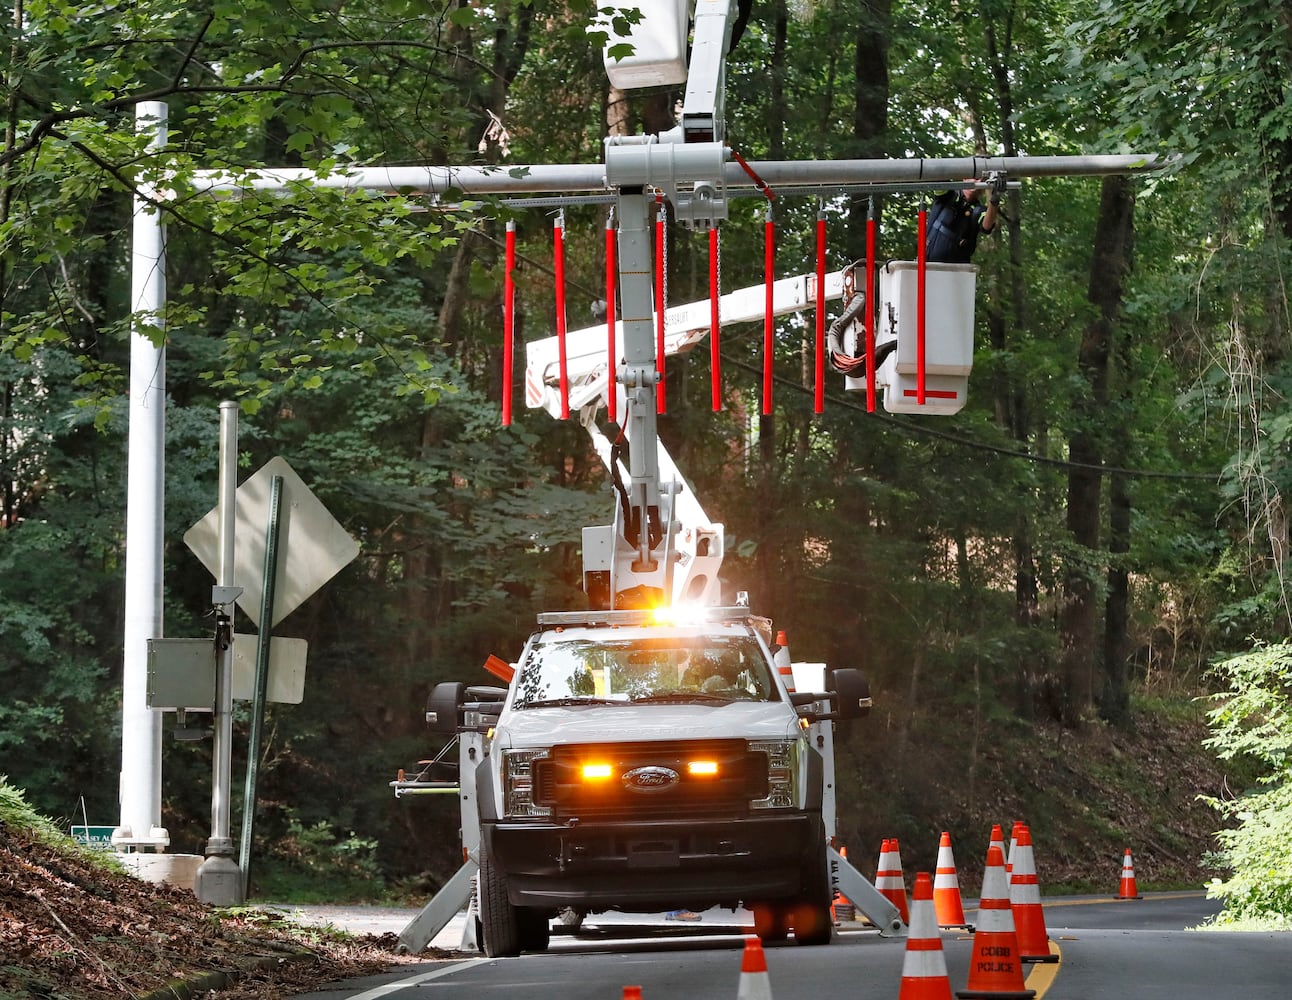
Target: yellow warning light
x=702, y=768
x=596, y=772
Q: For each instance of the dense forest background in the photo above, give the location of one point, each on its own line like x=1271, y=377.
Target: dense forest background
x=1104, y=520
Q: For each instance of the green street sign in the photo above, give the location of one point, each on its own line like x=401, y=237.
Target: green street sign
x=98, y=837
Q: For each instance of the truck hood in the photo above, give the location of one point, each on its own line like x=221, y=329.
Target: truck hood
x=546, y=727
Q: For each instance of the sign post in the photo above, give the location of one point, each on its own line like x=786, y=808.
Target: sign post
x=303, y=548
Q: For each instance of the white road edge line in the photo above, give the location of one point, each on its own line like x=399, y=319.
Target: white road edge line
x=401, y=984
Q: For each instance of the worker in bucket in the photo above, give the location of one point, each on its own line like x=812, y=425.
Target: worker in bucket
x=956, y=220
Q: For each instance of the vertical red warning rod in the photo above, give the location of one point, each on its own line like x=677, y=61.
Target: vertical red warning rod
x=661, y=279
x=612, y=355
x=870, y=307
x=558, y=253
x=919, y=306
x=769, y=305
x=819, y=403
x=508, y=320
x=715, y=325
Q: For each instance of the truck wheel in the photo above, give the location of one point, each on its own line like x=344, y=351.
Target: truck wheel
x=770, y=923
x=535, y=930
x=498, y=918
x=812, y=924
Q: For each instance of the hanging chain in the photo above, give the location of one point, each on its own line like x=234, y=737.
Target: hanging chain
x=662, y=210
x=717, y=249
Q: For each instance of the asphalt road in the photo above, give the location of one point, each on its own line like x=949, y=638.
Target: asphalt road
x=1120, y=950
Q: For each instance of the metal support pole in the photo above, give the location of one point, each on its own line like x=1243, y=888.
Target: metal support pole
x=218, y=880
x=639, y=365
x=141, y=727
x=262, y=676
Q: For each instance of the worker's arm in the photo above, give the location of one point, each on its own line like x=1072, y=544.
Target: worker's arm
x=989, y=217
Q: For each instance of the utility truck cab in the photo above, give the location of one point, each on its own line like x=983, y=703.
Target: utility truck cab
x=644, y=764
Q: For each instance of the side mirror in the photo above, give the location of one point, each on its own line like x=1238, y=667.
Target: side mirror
x=443, y=708
x=851, y=692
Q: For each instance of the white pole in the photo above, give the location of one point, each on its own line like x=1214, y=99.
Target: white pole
x=141, y=728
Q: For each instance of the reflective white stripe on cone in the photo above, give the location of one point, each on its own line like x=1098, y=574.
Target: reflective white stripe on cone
x=924, y=967
x=754, y=981
x=1025, y=902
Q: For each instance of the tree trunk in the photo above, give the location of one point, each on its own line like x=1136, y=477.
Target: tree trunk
x=870, y=107
x=1279, y=147
x=1078, y=616
x=1114, y=697
x=1007, y=322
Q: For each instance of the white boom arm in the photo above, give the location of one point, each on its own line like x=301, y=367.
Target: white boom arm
x=692, y=546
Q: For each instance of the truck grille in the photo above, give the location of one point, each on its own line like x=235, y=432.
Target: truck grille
x=651, y=779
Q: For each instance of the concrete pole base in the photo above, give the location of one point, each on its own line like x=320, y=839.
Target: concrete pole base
x=219, y=881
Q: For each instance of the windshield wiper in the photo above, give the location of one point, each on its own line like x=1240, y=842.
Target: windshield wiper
x=575, y=699
x=678, y=697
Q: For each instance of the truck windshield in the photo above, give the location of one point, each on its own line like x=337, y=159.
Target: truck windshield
x=669, y=669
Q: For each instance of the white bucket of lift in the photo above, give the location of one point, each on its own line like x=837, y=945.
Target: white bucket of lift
x=659, y=47
x=948, y=335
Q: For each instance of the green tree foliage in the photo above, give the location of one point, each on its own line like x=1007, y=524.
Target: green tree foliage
x=1252, y=721
x=362, y=335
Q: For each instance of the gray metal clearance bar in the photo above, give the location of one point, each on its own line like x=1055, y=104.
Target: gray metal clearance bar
x=576, y=178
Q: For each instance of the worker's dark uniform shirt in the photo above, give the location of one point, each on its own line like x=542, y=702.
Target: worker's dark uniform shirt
x=954, y=223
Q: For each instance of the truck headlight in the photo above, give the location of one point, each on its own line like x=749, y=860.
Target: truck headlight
x=518, y=783
x=782, y=773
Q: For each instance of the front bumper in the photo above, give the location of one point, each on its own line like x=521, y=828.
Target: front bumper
x=648, y=865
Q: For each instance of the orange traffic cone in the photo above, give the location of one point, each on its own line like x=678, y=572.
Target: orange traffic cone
x=997, y=839
x=781, y=659
x=1025, y=902
x=754, y=982
x=924, y=968
x=841, y=907
x=1013, y=843
x=1127, y=888
x=995, y=972
x=946, y=888
x=632, y=993
x=888, y=878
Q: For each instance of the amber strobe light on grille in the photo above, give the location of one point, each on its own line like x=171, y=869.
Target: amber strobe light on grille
x=639, y=779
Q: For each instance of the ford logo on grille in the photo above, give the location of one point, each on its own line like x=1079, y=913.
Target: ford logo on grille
x=651, y=778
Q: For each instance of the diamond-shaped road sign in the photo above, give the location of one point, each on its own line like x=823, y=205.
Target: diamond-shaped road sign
x=312, y=545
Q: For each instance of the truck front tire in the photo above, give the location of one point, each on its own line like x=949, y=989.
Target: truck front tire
x=498, y=918
x=813, y=922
